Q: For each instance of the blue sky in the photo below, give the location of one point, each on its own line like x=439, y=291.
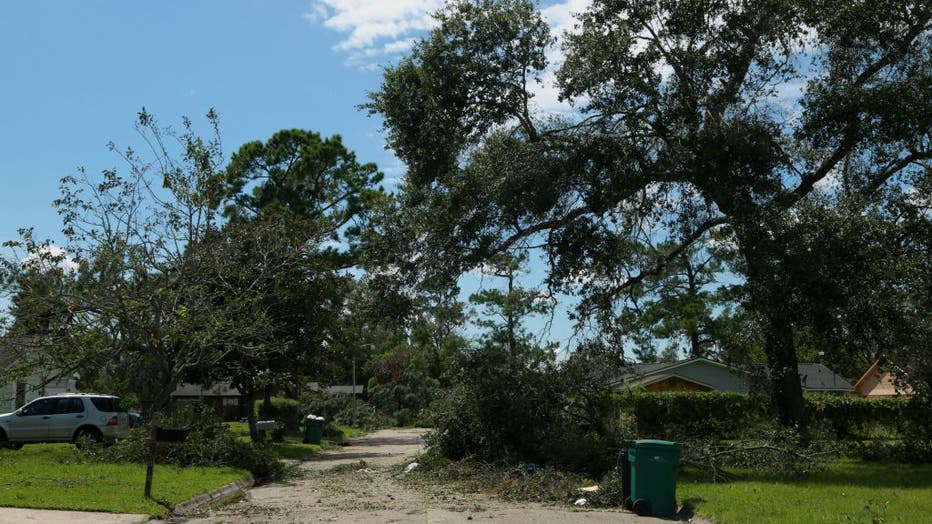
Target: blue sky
x=76, y=73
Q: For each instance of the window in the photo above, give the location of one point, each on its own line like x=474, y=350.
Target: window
x=69, y=405
x=42, y=406
x=107, y=404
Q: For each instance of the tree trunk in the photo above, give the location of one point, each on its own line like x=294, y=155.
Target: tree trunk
x=786, y=388
x=770, y=295
x=250, y=397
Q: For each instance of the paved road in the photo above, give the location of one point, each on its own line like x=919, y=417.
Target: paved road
x=369, y=493
x=43, y=516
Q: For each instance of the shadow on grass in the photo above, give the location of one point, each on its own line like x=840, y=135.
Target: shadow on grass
x=688, y=508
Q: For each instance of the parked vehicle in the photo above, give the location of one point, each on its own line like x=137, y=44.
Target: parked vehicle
x=70, y=417
x=135, y=419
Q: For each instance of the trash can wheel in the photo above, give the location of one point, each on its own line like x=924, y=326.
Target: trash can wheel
x=628, y=503
x=641, y=507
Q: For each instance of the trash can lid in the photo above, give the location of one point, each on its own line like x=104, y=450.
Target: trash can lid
x=650, y=443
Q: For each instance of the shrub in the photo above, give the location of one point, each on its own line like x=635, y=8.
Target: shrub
x=285, y=411
x=210, y=443
x=338, y=409
x=906, y=451
x=685, y=415
x=854, y=417
x=502, y=408
x=719, y=415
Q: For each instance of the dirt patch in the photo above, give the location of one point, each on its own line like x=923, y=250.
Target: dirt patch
x=359, y=483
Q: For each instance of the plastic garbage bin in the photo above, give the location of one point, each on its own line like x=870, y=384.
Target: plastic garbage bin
x=313, y=429
x=652, y=467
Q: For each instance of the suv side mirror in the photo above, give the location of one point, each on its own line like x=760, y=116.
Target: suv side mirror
x=19, y=412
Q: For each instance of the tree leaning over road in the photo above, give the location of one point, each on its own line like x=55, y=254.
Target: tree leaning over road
x=680, y=125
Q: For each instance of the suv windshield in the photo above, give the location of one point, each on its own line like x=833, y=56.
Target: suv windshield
x=107, y=404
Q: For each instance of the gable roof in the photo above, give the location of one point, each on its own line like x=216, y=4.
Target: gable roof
x=879, y=380
x=652, y=379
x=701, y=371
x=818, y=377
x=869, y=374
x=639, y=369
x=813, y=377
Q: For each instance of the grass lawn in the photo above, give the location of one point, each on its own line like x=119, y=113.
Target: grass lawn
x=293, y=447
x=849, y=492
x=57, y=476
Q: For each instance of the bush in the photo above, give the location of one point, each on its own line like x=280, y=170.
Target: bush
x=906, y=451
x=338, y=409
x=285, y=411
x=210, y=443
x=855, y=417
x=719, y=415
x=685, y=415
x=502, y=408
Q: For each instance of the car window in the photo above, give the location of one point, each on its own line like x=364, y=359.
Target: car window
x=42, y=406
x=69, y=405
x=107, y=404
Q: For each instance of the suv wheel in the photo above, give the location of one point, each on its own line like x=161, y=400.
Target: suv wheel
x=4, y=443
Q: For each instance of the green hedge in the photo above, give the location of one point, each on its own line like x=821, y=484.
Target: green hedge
x=679, y=415
x=733, y=415
x=860, y=418
x=286, y=411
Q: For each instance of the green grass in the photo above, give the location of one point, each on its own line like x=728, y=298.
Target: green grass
x=848, y=492
x=293, y=448
x=57, y=476
x=350, y=432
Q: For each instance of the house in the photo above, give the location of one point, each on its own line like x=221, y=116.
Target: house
x=226, y=400
x=702, y=374
x=16, y=393
x=358, y=389
x=695, y=374
x=878, y=382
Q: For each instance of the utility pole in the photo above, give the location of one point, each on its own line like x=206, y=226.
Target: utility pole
x=354, y=392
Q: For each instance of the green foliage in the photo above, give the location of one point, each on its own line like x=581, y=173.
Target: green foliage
x=136, y=308
x=679, y=129
x=298, y=172
x=210, y=443
x=339, y=409
x=502, y=409
x=520, y=408
x=688, y=415
x=403, y=386
x=285, y=411
x=717, y=415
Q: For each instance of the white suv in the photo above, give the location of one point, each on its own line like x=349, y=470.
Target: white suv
x=65, y=418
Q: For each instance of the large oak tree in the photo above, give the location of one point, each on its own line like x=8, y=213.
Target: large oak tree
x=680, y=124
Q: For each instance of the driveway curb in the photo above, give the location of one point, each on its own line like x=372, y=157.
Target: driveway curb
x=214, y=497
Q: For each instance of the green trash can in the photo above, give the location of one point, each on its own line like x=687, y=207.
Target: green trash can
x=653, y=469
x=313, y=429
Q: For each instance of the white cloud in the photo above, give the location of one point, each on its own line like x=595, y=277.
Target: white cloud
x=375, y=29
x=48, y=257
x=379, y=30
